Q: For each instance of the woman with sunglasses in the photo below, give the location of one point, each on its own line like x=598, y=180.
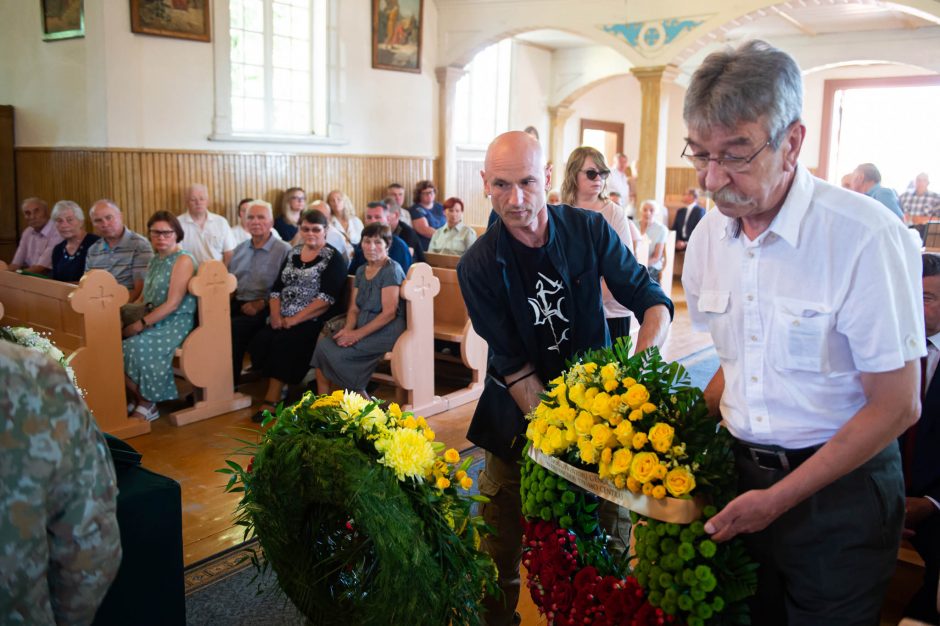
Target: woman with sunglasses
x=585, y=187
x=305, y=294
x=151, y=341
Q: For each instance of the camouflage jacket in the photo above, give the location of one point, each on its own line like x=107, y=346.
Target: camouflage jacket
x=59, y=542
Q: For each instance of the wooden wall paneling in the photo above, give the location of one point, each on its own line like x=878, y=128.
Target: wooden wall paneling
x=9, y=207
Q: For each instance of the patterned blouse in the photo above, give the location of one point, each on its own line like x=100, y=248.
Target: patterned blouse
x=298, y=283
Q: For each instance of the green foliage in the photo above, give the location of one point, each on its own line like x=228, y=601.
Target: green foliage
x=350, y=543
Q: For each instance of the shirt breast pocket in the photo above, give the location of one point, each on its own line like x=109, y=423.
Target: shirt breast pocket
x=800, y=332
x=716, y=305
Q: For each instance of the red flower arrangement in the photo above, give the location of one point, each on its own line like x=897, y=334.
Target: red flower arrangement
x=568, y=592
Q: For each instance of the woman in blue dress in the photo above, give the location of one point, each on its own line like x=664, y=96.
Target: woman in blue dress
x=374, y=320
x=150, y=343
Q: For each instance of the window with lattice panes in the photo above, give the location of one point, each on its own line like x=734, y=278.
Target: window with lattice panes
x=277, y=57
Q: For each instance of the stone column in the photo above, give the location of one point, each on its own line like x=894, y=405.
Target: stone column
x=447, y=78
x=651, y=162
x=557, y=117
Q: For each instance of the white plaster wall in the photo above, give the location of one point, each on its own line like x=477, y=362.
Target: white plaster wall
x=52, y=84
x=118, y=89
x=615, y=100
x=531, y=86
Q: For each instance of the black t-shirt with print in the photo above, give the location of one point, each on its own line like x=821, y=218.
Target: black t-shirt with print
x=548, y=307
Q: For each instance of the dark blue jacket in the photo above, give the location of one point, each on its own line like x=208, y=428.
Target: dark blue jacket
x=583, y=249
x=924, y=467
x=398, y=252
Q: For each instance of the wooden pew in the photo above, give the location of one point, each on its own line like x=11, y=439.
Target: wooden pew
x=412, y=357
x=452, y=323
x=83, y=320
x=205, y=358
x=441, y=260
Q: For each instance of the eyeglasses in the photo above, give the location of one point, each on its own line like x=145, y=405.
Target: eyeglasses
x=728, y=163
x=593, y=174
x=161, y=233
x=311, y=229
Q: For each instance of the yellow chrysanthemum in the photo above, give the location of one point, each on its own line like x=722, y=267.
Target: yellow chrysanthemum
x=659, y=492
x=643, y=467
x=352, y=403
x=408, y=453
x=639, y=440
x=452, y=456
x=661, y=436
x=409, y=422
x=394, y=410
x=620, y=482
x=647, y=489
x=660, y=471
x=374, y=418
x=634, y=485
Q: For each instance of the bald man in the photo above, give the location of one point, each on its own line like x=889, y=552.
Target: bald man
x=206, y=235
x=532, y=287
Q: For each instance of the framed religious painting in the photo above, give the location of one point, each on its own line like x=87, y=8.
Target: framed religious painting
x=63, y=19
x=396, y=34
x=183, y=19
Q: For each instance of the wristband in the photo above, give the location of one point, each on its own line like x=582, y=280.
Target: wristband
x=509, y=386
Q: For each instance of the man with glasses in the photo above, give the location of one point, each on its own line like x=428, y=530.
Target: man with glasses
x=120, y=251
x=812, y=296
x=532, y=288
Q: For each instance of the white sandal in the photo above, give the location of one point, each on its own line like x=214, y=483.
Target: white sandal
x=149, y=414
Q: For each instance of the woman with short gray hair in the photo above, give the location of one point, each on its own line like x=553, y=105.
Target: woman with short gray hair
x=68, y=257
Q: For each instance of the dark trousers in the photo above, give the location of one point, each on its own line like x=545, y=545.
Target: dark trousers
x=828, y=560
x=926, y=541
x=244, y=328
x=618, y=327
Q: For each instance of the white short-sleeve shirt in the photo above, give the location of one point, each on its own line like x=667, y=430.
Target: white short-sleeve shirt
x=209, y=241
x=830, y=290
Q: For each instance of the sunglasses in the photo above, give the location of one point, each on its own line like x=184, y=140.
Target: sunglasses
x=592, y=174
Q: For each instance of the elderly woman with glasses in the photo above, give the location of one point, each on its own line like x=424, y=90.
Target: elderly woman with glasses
x=309, y=285
x=168, y=307
x=68, y=256
x=585, y=187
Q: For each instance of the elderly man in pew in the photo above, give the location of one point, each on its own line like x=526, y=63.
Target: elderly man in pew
x=69, y=255
x=396, y=221
x=255, y=263
x=168, y=315
x=308, y=286
x=374, y=320
x=377, y=213
x=396, y=193
x=208, y=235
x=121, y=252
x=34, y=254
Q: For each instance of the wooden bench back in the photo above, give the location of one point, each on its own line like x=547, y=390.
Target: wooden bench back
x=86, y=321
x=441, y=260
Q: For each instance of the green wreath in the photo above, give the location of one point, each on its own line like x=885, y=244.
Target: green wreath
x=350, y=542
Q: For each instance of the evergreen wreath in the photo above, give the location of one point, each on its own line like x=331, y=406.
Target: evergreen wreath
x=360, y=516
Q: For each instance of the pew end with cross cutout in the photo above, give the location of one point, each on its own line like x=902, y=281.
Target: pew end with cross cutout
x=205, y=358
x=84, y=321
